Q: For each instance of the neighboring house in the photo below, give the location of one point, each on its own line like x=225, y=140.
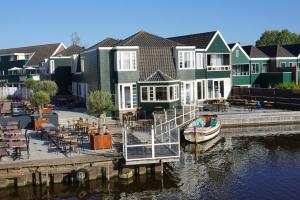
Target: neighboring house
x=264, y=66
x=19, y=64
x=147, y=71
x=60, y=68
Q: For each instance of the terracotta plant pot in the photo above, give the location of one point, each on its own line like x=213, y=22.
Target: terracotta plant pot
x=38, y=122
x=101, y=141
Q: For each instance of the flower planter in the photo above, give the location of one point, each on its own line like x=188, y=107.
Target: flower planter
x=101, y=141
x=38, y=122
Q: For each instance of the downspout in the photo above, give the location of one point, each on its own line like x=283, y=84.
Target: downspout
x=98, y=69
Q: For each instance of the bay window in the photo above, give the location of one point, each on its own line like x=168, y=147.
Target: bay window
x=186, y=59
x=126, y=60
x=159, y=93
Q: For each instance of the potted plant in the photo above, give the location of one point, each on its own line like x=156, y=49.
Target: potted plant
x=39, y=99
x=100, y=102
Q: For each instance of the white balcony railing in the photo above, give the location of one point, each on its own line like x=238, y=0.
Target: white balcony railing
x=219, y=68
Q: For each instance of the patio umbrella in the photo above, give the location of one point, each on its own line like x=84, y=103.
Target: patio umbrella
x=15, y=69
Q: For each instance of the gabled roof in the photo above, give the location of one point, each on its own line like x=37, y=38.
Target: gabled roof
x=293, y=48
x=40, y=52
x=71, y=50
x=152, y=59
x=108, y=42
x=276, y=51
x=231, y=45
x=200, y=40
x=254, y=52
x=144, y=39
x=159, y=76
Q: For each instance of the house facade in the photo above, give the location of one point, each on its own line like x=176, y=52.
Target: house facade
x=60, y=68
x=264, y=66
x=145, y=71
x=19, y=64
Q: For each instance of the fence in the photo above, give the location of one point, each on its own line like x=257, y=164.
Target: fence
x=159, y=142
x=282, y=98
x=15, y=92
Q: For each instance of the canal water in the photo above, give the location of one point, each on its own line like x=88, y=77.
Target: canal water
x=258, y=167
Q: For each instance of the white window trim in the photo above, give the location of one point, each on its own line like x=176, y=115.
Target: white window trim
x=218, y=67
x=192, y=56
x=213, y=88
x=201, y=64
x=295, y=63
x=282, y=63
x=52, y=67
x=240, y=65
x=119, y=58
x=154, y=93
x=122, y=107
x=251, y=68
x=183, y=92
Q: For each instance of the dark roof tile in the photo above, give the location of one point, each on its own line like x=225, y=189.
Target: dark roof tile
x=152, y=59
x=71, y=50
x=276, y=51
x=200, y=40
x=159, y=76
x=144, y=39
x=254, y=52
x=293, y=48
x=108, y=42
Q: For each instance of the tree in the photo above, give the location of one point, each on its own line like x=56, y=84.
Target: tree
x=29, y=84
x=48, y=87
x=291, y=85
x=275, y=37
x=100, y=102
x=75, y=39
x=39, y=99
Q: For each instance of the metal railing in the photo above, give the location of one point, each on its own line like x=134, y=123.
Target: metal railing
x=161, y=141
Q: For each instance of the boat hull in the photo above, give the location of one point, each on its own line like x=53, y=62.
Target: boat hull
x=202, y=134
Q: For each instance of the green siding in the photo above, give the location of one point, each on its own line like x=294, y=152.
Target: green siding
x=272, y=78
x=5, y=64
x=241, y=59
x=218, y=74
x=91, y=70
x=201, y=73
x=240, y=80
x=186, y=74
x=128, y=76
x=286, y=61
x=218, y=46
x=106, y=70
x=63, y=75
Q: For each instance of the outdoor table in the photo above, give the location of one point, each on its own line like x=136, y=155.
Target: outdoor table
x=48, y=126
x=12, y=123
x=13, y=138
x=11, y=127
x=17, y=146
x=13, y=132
x=3, y=144
x=3, y=152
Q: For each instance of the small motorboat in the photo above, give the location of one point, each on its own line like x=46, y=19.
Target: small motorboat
x=202, y=129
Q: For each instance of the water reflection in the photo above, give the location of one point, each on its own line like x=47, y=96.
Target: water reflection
x=254, y=167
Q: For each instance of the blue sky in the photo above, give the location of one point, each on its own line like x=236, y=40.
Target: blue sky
x=32, y=22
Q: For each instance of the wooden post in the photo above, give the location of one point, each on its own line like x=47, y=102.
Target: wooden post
x=47, y=179
x=161, y=167
x=175, y=116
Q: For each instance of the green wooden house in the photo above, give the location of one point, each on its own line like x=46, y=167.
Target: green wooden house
x=147, y=72
x=60, y=68
x=19, y=64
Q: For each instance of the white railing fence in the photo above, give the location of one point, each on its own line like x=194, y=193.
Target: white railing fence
x=19, y=92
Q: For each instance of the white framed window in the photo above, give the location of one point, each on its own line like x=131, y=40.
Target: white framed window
x=237, y=53
x=126, y=61
x=187, y=92
x=292, y=64
x=52, y=67
x=282, y=64
x=81, y=65
x=159, y=93
x=264, y=68
x=199, y=61
x=200, y=89
x=255, y=68
x=186, y=59
x=240, y=70
x=127, y=96
x=215, y=89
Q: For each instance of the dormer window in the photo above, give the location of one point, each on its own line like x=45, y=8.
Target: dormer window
x=126, y=61
x=186, y=59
